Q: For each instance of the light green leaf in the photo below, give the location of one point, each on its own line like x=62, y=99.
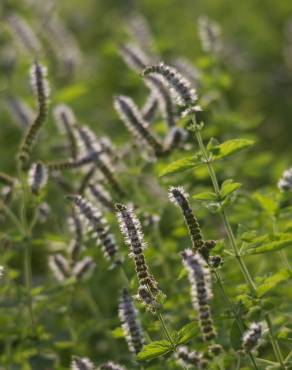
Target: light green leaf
x=268, y=204
x=117, y=333
x=154, y=350
x=181, y=165
x=187, y=332
x=270, y=247
x=273, y=280
x=228, y=187
x=229, y=147
x=70, y=93
x=206, y=195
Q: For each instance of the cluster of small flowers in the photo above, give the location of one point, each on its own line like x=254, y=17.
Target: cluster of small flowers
x=210, y=35
x=251, y=337
x=185, y=67
x=130, y=323
x=39, y=82
x=200, y=280
x=100, y=194
x=111, y=366
x=37, y=177
x=131, y=229
x=179, y=85
x=285, y=182
x=149, y=108
x=191, y=359
x=83, y=363
x=134, y=57
x=20, y=111
x=97, y=224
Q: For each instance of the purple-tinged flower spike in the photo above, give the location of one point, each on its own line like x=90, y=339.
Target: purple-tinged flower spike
x=25, y=34
x=131, y=229
x=160, y=88
x=251, y=337
x=134, y=122
x=178, y=196
x=59, y=266
x=75, y=226
x=100, y=194
x=130, y=323
x=285, y=182
x=200, y=280
x=134, y=57
x=66, y=121
x=20, y=111
x=185, y=67
x=145, y=296
x=150, y=107
x=87, y=140
x=111, y=366
x=175, y=137
x=82, y=363
x=41, y=89
x=97, y=224
x=210, y=35
x=2, y=271
x=37, y=177
x=191, y=359
x=179, y=85
x=43, y=212
x=83, y=268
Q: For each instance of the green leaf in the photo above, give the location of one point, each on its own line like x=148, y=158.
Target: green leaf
x=273, y=281
x=206, y=195
x=268, y=204
x=70, y=93
x=118, y=333
x=269, y=247
x=187, y=332
x=228, y=187
x=154, y=350
x=181, y=165
x=229, y=147
x=235, y=336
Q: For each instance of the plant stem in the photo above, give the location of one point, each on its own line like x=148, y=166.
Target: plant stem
x=282, y=253
x=274, y=342
x=231, y=237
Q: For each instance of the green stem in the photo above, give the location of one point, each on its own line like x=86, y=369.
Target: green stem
x=12, y=216
x=282, y=253
x=28, y=280
x=166, y=332
x=274, y=342
x=230, y=233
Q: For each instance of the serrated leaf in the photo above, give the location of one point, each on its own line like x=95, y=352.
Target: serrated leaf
x=228, y=187
x=154, y=350
x=206, y=195
x=268, y=204
x=181, y=165
x=229, y=148
x=272, y=281
x=269, y=247
x=187, y=332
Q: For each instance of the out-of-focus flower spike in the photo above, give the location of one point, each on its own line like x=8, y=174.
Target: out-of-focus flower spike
x=20, y=111
x=37, y=177
x=82, y=363
x=174, y=139
x=210, y=35
x=150, y=108
x=186, y=68
x=133, y=120
x=102, y=196
x=111, y=366
x=130, y=323
x=25, y=34
x=41, y=89
x=66, y=121
x=200, y=281
x=251, y=337
x=180, y=86
x=134, y=57
x=191, y=359
x=59, y=266
x=83, y=267
x=285, y=182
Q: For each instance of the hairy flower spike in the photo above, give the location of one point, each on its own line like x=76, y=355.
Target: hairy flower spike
x=98, y=224
x=178, y=196
x=130, y=323
x=131, y=229
x=20, y=111
x=180, y=86
x=136, y=125
x=41, y=89
x=140, y=32
x=150, y=108
x=66, y=121
x=111, y=366
x=134, y=57
x=185, y=67
x=102, y=196
x=82, y=363
x=200, y=280
x=285, y=182
x=175, y=137
x=210, y=35
x=191, y=359
x=251, y=337
x=37, y=177
x=160, y=88
x=59, y=266
x=83, y=267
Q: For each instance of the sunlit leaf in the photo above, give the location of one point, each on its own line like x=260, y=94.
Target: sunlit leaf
x=181, y=165
x=229, y=148
x=154, y=350
x=272, y=281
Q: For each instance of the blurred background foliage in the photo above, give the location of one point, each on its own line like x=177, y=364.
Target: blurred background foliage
x=247, y=90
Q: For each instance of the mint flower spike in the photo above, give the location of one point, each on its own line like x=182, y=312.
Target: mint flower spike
x=201, y=293
x=179, y=85
x=37, y=177
x=285, y=182
x=191, y=359
x=251, y=337
x=111, y=366
x=134, y=57
x=82, y=363
x=130, y=323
